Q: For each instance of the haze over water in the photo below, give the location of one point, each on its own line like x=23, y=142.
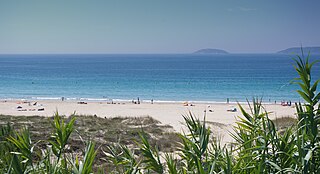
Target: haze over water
x=171, y=77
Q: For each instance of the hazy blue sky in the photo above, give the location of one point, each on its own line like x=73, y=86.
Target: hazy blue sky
x=156, y=26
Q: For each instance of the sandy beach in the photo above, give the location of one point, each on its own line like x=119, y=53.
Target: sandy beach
x=166, y=113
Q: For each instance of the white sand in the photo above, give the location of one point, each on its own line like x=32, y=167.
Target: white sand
x=166, y=113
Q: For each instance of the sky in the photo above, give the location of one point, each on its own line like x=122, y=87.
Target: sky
x=156, y=26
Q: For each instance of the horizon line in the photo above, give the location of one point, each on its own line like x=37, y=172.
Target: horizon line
x=138, y=53
x=115, y=53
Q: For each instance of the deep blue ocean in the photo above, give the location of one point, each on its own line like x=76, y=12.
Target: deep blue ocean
x=175, y=77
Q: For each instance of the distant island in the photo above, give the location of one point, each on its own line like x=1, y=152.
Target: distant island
x=297, y=50
x=211, y=51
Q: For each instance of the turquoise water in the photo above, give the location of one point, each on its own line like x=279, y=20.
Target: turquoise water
x=158, y=77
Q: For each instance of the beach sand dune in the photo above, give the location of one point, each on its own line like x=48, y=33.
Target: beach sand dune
x=216, y=114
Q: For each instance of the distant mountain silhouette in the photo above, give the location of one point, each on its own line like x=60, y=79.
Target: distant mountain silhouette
x=297, y=50
x=211, y=51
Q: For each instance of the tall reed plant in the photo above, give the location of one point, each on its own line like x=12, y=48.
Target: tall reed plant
x=18, y=154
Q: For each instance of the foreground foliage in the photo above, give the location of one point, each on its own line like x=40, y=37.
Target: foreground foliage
x=258, y=147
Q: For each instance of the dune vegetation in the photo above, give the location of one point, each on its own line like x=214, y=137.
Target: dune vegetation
x=259, y=146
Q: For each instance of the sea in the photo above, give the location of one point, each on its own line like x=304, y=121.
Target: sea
x=157, y=77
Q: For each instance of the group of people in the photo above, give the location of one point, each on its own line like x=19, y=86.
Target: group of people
x=31, y=106
x=136, y=102
x=287, y=103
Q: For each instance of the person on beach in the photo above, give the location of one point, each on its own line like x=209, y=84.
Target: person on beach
x=227, y=100
x=151, y=101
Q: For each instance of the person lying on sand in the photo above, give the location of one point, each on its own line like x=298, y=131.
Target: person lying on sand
x=232, y=110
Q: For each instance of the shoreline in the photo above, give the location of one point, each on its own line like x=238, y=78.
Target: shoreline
x=109, y=100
